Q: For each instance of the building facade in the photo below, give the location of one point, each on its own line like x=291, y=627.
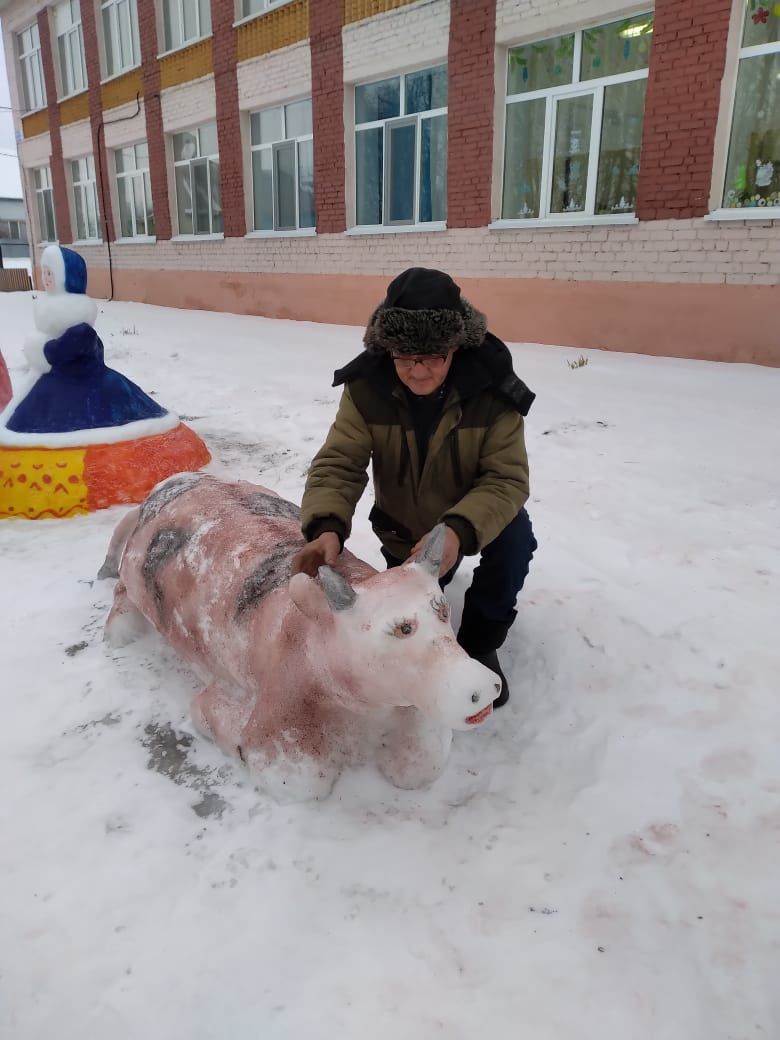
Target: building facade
x=600, y=173
x=14, y=246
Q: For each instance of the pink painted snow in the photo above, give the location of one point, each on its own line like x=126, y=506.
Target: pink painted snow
x=599, y=860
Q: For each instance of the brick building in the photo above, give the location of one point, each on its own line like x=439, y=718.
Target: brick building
x=284, y=157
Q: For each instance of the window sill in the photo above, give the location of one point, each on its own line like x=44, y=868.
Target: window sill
x=748, y=213
x=87, y=242
x=184, y=46
x=136, y=240
x=34, y=111
x=259, y=14
x=218, y=237
x=75, y=94
x=117, y=75
x=569, y=222
x=298, y=233
x=396, y=229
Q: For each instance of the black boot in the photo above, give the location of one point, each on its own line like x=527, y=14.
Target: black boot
x=491, y=661
x=480, y=637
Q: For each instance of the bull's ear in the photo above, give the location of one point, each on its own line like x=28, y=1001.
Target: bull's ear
x=429, y=557
x=339, y=593
x=309, y=598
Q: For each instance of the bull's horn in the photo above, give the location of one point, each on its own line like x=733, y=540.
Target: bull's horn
x=338, y=591
x=429, y=557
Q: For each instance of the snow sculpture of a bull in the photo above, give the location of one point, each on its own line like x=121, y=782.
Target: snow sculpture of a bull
x=305, y=676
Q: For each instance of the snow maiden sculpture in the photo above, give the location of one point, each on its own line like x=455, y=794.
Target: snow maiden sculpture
x=305, y=676
x=81, y=436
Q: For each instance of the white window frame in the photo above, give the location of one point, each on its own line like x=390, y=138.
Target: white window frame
x=249, y=9
x=12, y=225
x=273, y=147
x=32, y=82
x=403, y=119
x=141, y=183
x=576, y=88
x=85, y=190
x=70, y=50
x=176, y=17
x=742, y=212
x=197, y=161
x=43, y=174
x=113, y=43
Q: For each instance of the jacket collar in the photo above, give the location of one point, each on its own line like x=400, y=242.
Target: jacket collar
x=473, y=370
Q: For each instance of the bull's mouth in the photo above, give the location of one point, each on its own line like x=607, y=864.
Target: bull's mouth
x=474, y=720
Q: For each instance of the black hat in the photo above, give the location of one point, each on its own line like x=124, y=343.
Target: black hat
x=424, y=313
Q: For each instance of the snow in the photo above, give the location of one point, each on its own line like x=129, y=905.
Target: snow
x=600, y=858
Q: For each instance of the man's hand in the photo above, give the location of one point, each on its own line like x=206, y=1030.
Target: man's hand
x=450, y=553
x=323, y=551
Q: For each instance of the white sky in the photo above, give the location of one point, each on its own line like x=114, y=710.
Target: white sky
x=10, y=184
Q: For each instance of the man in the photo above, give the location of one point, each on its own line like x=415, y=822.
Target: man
x=434, y=404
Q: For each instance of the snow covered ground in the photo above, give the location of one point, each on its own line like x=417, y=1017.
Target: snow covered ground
x=599, y=862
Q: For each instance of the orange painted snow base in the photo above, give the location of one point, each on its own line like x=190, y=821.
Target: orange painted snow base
x=707, y=322
x=53, y=483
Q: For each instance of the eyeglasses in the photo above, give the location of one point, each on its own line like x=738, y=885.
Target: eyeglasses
x=431, y=361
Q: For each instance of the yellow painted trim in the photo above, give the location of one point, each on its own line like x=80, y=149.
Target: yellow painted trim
x=357, y=10
x=273, y=30
x=122, y=90
x=74, y=108
x=36, y=123
x=42, y=483
x=187, y=64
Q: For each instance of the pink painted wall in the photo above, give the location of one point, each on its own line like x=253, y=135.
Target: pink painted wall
x=735, y=323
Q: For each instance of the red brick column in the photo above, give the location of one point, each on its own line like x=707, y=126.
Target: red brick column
x=231, y=154
x=681, y=112
x=155, y=137
x=102, y=169
x=471, y=100
x=326, y=18
x=56, y=164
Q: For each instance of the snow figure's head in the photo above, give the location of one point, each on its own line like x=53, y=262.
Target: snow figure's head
x=64, y=303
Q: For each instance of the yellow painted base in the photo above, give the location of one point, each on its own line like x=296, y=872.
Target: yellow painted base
x=42, y=483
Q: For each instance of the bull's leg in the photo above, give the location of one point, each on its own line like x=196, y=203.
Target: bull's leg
x=221, y=715
x=289, y=777
x=125, y=622
x=414, y=749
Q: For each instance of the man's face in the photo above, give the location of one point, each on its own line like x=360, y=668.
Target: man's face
x=423, y=374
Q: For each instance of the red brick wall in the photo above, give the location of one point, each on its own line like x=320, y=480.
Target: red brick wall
x=155, y=138
x=471, y=97
x=327, y=83
x=231, y=162
x=681, y=111
x=92, y=58
x=58, y=179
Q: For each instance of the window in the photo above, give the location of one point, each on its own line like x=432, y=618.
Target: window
x=574, y=113
x=28, y=45
x=185, y=21
x=283, y=168
x=82, y=172
x=250, y=7
x=753, y=169
x=13, y=230
x=401, y=149
x=44, y=204
x=70, y=47
x=135, y=191
x=120, y=35
x=196, y=167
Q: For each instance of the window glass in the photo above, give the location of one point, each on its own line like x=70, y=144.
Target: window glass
x=378, y=100
x=537, y=66
x=623, y=46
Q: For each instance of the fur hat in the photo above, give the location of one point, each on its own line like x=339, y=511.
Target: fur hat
x=424, y=313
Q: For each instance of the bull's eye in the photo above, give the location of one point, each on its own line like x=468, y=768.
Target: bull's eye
x=475, y=698
x=404, y=629
x=441, y=607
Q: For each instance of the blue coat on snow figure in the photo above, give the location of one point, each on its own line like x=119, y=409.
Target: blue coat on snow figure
x=76, y=390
